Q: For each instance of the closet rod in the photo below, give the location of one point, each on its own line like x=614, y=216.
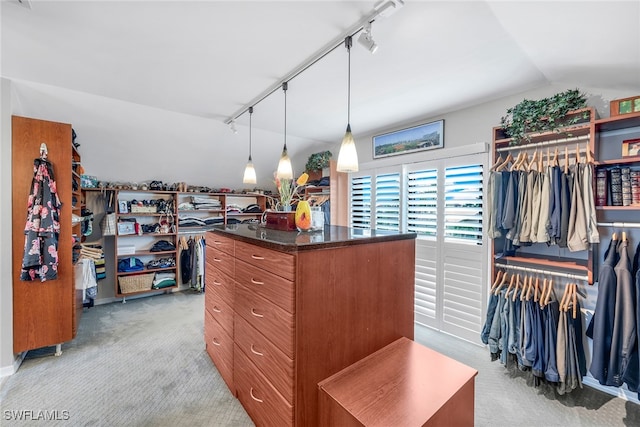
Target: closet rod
x=194, y=232
x=559, y=141
x=541, y=271
x=619, y=224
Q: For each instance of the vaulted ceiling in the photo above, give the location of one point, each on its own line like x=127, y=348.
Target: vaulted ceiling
x=209, y=59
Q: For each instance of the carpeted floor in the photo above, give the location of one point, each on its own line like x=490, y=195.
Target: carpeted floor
x=143, y=363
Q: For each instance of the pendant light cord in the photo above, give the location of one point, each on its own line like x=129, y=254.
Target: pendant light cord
x=347, y=42
x=250, y=114
x=285, y=86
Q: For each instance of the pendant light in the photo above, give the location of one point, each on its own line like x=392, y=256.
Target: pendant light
x=285, y=170
x=348, y=156
x=249, y=171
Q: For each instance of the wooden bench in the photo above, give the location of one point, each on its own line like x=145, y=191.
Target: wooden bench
x=402, y=384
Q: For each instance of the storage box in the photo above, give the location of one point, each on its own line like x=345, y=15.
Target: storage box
x=144, y=209
x=126, y=250
x=88, y=181
x=125, y=228
x=285, y=221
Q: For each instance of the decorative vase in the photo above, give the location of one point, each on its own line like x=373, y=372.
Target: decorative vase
x=303, y=216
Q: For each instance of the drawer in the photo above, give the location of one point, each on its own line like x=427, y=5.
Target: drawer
x=267, y=318
x=219, y=283
x=219, y=346
x=220, y=242
x=279, y=263
x=221, y=260
x=263, y=403
x=219, y=310
x=276, y=367
x=268, y=285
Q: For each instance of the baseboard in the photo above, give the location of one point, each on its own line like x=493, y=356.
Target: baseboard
x=6, y=371
x=621, y=392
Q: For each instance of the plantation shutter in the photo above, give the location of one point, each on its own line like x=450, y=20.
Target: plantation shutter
x=422, y=199
x=463, y=204
x=360, y=212
x=387, y=202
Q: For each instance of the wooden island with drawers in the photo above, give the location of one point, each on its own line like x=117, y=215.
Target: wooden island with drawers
x=285, y=310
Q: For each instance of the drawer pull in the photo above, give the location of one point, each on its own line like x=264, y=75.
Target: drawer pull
x=215, y=282
x=256, y=314
x=256, y=282
x=257, y=257
x=253, y=397
x=217, y=260
x=217, y=242
x=217, y=309
x=215, y=342
x=256, y=352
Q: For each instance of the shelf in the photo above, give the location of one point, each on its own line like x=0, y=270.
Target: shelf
x=120, y=295
x=576, y=265
x=184, y=211
x=244, y=213
x=618, y=122
x=144, y=253
x=613, y=162
x=136, y=214
x=618, y=208
x=146, y=235
x=145, y=270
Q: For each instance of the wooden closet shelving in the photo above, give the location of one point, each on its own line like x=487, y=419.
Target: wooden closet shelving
x=566, y=140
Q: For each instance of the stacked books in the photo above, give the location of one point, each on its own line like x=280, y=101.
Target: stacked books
x=618, y=186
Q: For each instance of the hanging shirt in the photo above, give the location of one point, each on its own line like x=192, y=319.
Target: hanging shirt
x=601, y=326
x=624, y=350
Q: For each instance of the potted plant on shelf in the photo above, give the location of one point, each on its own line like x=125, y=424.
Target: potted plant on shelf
x=316, y=163
x=545, y=115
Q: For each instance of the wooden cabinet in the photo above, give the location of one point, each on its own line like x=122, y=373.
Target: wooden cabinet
x=303, y=311
x=46, y=313
x=402, y=384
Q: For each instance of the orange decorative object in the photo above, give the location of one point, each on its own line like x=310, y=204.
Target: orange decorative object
x=303, y=216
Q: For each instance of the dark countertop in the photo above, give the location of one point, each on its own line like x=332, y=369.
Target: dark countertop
x=294, y=241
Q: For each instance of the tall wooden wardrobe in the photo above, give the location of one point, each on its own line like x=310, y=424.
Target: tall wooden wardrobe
x=44, y=313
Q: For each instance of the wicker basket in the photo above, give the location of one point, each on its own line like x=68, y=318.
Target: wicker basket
x=135, y=283
x=144, y=209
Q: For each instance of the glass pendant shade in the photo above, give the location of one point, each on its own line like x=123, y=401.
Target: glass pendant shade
x=348, y=156
x=285, y=170
x=249, y=173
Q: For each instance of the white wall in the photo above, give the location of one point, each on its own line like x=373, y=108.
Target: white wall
x=6, y=284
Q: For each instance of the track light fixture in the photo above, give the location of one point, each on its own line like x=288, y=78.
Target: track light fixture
x=348, y=156
x=366, y=39
x=232, y=126
x=285, y=170
x=249, y=171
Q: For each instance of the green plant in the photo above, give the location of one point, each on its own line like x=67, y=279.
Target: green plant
x=545, y=115
x=318, y=161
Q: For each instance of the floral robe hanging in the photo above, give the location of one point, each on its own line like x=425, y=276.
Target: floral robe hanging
x=40, y=259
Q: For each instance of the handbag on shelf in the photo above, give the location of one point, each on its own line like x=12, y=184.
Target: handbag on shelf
x=108, y=223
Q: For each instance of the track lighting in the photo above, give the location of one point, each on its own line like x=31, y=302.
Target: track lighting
x=366, y=39
x=232, y=126
x=348, y=156
x=285, y=170
x=249, y=171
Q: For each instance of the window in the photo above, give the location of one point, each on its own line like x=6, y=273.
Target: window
x=463, y=204
x=422, y=199
x=360, y=212
x=387, y=213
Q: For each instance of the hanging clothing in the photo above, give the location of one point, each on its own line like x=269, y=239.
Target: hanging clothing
x=42, y=229
x=624, y=349
x=601, y=327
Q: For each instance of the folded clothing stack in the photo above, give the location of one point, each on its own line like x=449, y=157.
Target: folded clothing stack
x=164, y=280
